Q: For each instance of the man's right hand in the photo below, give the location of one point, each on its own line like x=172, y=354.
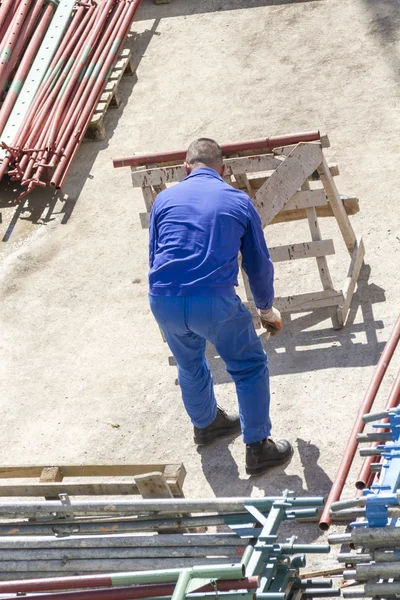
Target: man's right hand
x=271, y=320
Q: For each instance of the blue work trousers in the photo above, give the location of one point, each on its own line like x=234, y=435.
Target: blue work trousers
x=187, y=322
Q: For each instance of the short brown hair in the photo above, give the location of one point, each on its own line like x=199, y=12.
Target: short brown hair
x=204, y=150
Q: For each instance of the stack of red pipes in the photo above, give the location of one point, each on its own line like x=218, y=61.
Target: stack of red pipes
x=49, y=136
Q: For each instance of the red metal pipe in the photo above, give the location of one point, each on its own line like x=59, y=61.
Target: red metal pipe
x=23, y=39
x=358, y=427
x=13, y=36
x=365, y=471
x=76, y=71
x=118, y=593
x=179, y=155
x=6, y=15
x=89, y=80
x=122, y=30
x=44, y=117
x=27, y=60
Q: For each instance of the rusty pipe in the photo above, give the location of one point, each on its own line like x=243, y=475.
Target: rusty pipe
x=120, y=593
x=359, y=425
x=264, y=144
x=392, y=402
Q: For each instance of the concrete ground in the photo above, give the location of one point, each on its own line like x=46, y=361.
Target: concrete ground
x=85, y=376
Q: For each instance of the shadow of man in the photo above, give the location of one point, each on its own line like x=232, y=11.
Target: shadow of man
x=223, y=474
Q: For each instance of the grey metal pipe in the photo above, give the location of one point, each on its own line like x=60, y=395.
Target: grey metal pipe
x=382, y=589
x=382, y=570
x=76, y=526
x=352, y=557
x=124, y=541
x=349, y=574
x=356, y=513
x=348, y=515
x=376, y=467
x=392, y=555
x=321, y=593
x=349, y=503
x=371, y=451
x=230, y=553
x=174, y=505
x=318, y=582
x=101, y=565
x=368, y=536
x=377, y=416
x=373, y=437
x=376, y=556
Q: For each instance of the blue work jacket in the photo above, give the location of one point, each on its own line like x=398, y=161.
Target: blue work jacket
x=197, y=229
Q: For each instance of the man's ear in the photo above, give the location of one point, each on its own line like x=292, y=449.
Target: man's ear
x=222, y=170
x=188, y=168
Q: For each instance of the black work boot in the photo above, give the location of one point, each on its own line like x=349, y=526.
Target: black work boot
x=222, y=425
x=266, y=454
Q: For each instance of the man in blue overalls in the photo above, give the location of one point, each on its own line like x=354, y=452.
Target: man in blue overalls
x=197, y=229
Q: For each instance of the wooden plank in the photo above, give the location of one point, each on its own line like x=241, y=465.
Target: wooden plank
x=271, y=198
x=302, y=250
x=175, y=476
x=52, y=490
x=337, y=206
x=148, y=197
x=309, y=301
x=96, y=129
x=51, y=475
x=153, y=485
x=356, y=263
x=11, y=472
x=350, y=204
x=307, y=199
x=144, y=220
x=144, y=176
x=322, y=263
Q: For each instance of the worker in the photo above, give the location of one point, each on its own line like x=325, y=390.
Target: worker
x=197, y=229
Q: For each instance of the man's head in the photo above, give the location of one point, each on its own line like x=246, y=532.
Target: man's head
x=204, y=152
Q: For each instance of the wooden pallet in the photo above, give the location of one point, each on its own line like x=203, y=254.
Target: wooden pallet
x=110, y=98
x=290, y=183
x=149, y=481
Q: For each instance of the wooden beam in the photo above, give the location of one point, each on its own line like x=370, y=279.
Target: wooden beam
x=351, y=206
x=356, y=263
x=309, y=301
x=143, y=176
x=337, y=206
x=153, y=485
x=51, y=475
x=271, y=198
x=27, y=471
x=322, y=263
x=302, y=250
x=307, y=199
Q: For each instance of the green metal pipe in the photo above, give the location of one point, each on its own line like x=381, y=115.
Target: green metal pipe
x=236, y=571
x=182, y=585
x=247, y=554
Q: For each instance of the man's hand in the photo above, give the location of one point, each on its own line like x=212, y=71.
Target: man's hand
x=271, y=319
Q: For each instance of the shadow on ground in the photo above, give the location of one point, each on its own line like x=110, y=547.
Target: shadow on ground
x=45, y=204
x=222, y=473
x=180, y=8
x=385, y=26
x=301, y=348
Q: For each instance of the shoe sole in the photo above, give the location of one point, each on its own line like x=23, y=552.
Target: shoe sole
x=267, y=465
x=218, y=433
